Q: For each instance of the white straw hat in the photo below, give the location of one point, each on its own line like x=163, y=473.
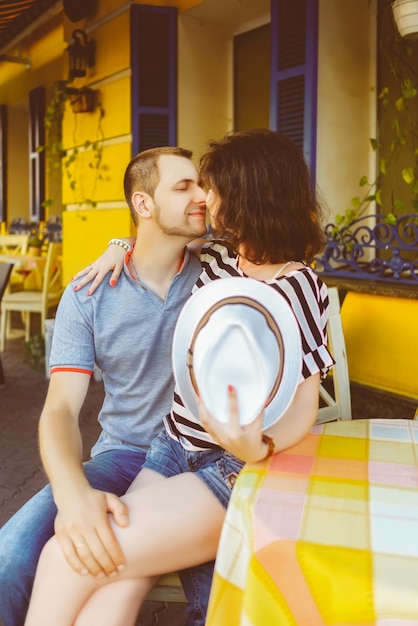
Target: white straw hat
x=239, y=332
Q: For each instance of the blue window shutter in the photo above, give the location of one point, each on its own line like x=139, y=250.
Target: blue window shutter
x=37, y=110
x=294, y=73
x=154, y=77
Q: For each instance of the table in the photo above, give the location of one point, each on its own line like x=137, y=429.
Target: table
x=27, y=265
x=325, y=532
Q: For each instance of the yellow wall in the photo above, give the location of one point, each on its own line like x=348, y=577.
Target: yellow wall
x=203, y=100
x=382, y=342
x=87, y=233
x=346, y=99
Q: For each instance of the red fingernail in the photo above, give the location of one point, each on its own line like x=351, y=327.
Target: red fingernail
x=112, y=283
x=230, y=388
x=89, y=293
x=76, y=288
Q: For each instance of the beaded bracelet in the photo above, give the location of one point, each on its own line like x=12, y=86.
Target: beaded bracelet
x=121, y=243
x=269, y=441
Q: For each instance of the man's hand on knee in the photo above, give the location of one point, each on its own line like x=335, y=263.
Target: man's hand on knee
x=85, y=534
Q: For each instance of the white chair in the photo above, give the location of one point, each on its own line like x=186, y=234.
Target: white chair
x=167, y=589
x=338, y=403
x=5, y=271
x=13, y=244
x=11, y=248
x=41, y=302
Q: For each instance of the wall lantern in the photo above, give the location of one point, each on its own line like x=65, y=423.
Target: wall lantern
x=81, y=54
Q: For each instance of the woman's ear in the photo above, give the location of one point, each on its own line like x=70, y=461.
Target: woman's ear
x=142, y=203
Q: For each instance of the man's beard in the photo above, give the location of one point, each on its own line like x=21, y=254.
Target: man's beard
x=183, y=230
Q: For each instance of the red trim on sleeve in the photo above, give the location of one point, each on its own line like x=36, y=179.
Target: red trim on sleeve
x=71, y=369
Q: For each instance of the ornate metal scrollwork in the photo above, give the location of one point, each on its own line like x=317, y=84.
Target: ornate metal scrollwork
x=373, y=249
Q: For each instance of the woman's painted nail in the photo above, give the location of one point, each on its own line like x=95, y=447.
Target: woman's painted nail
x=112, y=283
x=230, y=388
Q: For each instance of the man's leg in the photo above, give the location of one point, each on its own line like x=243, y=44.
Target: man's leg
x=24, y=535
x=196, y=583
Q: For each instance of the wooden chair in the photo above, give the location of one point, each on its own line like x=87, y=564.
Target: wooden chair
x=13, y=244
x=28, y=302
x=168, y=589
x=338, y=403
x=5, y=271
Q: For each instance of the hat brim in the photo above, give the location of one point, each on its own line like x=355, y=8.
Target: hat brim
x=208, y=296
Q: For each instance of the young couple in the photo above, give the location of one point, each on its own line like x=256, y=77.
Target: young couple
x=263, y=208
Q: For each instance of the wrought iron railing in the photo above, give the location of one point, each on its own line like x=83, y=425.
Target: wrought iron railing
x=371, y=248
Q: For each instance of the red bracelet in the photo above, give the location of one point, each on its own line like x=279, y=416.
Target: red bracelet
x=269, y=441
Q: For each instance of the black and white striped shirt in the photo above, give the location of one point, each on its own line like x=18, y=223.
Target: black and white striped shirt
x=308, y=297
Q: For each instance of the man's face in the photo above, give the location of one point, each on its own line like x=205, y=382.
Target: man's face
x=179, y=200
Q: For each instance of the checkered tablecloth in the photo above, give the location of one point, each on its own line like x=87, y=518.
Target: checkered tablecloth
x=325, y=532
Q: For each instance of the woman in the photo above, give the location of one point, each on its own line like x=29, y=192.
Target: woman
x=262, y=206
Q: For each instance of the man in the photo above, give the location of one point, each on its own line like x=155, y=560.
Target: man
x=127, y=330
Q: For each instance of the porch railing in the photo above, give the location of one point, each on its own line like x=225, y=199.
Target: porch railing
x=373, y=249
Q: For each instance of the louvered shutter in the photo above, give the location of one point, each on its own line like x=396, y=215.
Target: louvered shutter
x=36, y=159
x=154, y=77
x=3, y=163
x=294, y=71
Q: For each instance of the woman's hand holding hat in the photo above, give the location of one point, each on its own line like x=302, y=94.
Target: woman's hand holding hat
x=245, y=442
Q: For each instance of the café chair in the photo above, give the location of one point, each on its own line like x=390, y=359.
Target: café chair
x=28, y=302
x=12, y=246
x=337, y=401
x=5, y=271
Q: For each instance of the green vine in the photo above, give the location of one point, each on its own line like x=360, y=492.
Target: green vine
x=59, y=160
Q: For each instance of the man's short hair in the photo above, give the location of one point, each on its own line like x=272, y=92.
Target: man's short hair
x=142, y=173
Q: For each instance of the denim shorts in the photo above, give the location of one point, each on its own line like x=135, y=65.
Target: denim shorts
x=217, y=468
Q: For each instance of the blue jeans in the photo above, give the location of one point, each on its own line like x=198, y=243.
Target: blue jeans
x=24, y=535
x=216, y=467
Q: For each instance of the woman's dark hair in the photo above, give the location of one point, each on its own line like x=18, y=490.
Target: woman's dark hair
x=267, y=203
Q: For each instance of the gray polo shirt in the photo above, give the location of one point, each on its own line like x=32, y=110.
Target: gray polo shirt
x=127, y=330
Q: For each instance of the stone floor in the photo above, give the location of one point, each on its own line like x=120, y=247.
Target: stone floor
x=21, y=474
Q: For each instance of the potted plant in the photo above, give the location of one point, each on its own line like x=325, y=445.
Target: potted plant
x=82, y=100
x=35, y=245
x=405, y=13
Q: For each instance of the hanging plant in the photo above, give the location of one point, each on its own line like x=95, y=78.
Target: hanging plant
x=82, y=100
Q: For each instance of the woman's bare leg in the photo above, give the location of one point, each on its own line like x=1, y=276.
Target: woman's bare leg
x=127, y=595
x=174, y=524
x=116, y=604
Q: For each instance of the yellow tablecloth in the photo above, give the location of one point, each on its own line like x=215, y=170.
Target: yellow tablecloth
x=27, y=273
x=325, y=532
